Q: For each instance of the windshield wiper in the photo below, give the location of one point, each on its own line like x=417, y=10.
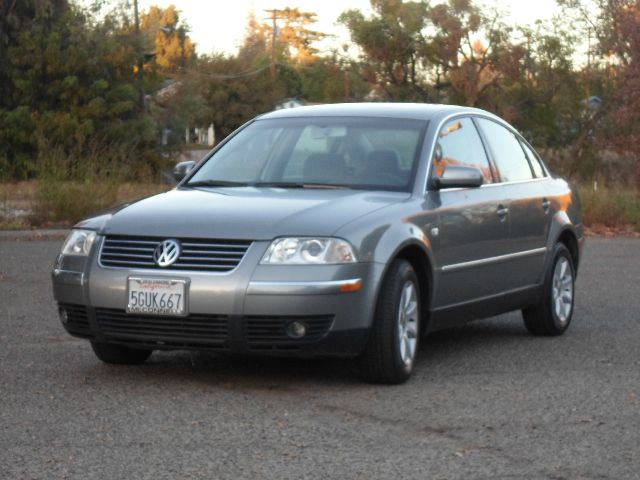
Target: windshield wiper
x=230, y=183
x=298, y=185
x=217, y=183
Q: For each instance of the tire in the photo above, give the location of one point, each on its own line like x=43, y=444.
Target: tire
x=393, y=342
x=119, y=354
x=552, y=315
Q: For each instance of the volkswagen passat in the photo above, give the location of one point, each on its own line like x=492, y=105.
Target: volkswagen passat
x=336, y=230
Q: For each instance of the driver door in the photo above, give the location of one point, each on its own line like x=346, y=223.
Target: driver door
x=473, y=225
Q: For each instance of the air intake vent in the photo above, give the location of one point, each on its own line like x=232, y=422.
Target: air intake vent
x=192, y=331
x=195, y=254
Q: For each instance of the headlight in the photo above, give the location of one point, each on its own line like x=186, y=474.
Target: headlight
x=305, y=251
x=79, y=242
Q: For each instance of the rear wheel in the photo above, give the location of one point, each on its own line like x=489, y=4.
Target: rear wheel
x=119, y=354
x=390, y=353
x=552, y=315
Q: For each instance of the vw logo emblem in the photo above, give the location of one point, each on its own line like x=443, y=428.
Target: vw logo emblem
x=166, y=253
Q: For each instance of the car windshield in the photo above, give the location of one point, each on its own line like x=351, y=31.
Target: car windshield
x=318, y=152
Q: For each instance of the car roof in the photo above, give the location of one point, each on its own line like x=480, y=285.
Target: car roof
x=419, y=111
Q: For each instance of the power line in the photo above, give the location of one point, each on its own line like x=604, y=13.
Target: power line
x=231, y=76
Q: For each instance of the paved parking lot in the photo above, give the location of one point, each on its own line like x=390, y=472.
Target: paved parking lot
x=486, y=401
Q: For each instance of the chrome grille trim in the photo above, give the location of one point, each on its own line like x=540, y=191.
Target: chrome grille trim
x=208, y=255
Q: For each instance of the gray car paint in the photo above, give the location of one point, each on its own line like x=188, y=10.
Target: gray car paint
x=448, y=227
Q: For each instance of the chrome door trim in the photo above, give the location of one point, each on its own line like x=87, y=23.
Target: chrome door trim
x=497, y=184
x=485, y=261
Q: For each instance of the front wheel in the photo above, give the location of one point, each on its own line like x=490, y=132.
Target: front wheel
x=552, y=315
x=119, y=354
x=390, y=353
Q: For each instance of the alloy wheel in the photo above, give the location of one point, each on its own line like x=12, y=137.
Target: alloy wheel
x=408, y=323
x=562, y=290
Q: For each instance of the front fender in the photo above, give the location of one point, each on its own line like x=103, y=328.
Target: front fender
x=395, y=231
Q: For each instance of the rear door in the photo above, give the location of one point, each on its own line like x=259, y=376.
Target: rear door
x=529, y=208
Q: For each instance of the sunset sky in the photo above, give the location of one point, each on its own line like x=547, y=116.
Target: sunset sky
x=220, y=26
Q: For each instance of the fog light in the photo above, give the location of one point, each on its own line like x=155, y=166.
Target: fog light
x=296, y=329
x=64, y=315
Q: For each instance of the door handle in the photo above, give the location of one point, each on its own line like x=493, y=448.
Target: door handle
x=502, y=212
x=546, y=204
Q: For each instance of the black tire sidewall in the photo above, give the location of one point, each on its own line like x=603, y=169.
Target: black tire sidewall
x=404, y=274
x=381, y=361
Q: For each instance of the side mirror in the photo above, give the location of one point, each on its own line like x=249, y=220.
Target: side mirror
x=459, y=177
x=182, y=168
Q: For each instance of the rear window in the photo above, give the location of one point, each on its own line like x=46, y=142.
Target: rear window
x=507, y=153
x=534, y=160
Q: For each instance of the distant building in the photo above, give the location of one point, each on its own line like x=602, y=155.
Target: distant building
x=292, y=102
x=593, y=103
x=200, y=135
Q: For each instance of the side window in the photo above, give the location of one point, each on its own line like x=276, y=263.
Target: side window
x=507, y=152
x=534, y=160
x=459, y=143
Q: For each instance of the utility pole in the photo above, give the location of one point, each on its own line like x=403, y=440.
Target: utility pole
x=588, y=63
x=274, y=27
x=344, y=64
x=138, y=54
x=347, y=87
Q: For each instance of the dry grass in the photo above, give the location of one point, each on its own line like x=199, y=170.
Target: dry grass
x=617, y=208
x=63, y=203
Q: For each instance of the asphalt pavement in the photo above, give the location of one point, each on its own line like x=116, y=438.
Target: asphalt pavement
x=487, y=401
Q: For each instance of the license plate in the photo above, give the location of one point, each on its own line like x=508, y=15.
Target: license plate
x=156, y=296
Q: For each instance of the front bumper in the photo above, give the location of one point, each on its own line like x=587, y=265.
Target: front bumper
x=245, y=311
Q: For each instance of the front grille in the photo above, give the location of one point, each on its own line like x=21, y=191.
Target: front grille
x=77, y=319
x=192, y=331
x=212, y=255
x=265, y=332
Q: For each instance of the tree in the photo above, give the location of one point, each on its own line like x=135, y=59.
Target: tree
x=69, y=83
x=621, y=38
x=613, y=68
x=233, y=91
x=332, y=78
x=168, y=38
x=392, y=45
x=465, y=49
x=296, y=37
x=292, y=36
x=539, y=91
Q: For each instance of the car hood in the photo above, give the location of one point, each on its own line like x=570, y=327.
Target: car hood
x=245, y=213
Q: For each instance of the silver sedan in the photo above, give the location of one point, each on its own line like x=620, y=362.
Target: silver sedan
x=337, y=230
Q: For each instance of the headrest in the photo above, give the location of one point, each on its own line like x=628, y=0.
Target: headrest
x=383, y=161
x=323, y=167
